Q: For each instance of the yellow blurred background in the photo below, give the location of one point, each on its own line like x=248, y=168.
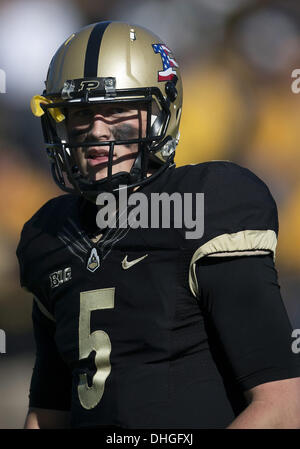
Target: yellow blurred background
x=236, y=59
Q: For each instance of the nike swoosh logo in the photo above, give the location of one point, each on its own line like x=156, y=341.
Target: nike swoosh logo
x=127, y=264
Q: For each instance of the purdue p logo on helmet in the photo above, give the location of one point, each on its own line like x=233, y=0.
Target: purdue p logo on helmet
x=87, y=85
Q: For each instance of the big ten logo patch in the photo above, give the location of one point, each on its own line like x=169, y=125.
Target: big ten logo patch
x=60, y=277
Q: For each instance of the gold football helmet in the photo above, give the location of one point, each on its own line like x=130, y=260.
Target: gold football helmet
x=111, y=62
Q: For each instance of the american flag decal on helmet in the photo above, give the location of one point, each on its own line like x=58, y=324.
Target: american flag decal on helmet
x=168, y=72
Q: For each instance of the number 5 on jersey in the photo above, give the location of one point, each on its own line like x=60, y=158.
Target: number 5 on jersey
x=97, y=341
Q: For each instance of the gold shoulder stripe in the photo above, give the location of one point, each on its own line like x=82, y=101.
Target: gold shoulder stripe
x=243, y=243
x=43, y=309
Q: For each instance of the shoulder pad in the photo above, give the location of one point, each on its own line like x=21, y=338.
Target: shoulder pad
x=240, y=214
x=46, y=220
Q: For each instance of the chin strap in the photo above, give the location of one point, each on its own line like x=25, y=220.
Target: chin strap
x=138, y=170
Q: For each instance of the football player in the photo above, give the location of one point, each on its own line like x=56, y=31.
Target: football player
x=144, y=328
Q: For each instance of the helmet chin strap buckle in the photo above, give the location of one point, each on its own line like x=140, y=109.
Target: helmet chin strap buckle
x=169, y=148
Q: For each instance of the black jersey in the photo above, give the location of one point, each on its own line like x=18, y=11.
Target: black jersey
x=127, y=331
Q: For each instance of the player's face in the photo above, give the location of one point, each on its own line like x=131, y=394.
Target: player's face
x=103, y=122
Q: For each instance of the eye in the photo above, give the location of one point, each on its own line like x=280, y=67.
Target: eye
x=81, y=113
x=115, y=110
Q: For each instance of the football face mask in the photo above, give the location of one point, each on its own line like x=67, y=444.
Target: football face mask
x=111, y=109
x=105, y=138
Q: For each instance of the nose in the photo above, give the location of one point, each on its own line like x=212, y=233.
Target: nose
x=100, y=129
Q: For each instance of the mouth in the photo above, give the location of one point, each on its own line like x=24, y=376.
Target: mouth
x=97, y=157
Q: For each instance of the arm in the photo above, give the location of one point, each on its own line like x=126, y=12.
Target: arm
x=38, y=418
x=50, y=388
x=250, y=336
x=273, y=405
